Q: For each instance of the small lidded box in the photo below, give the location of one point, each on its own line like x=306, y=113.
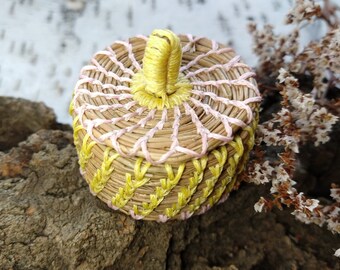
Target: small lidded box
x=164, y=124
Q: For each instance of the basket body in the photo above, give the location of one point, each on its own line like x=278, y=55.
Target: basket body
x=172, y=163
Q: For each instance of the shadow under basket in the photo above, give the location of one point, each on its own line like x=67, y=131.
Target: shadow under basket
x=164, y=124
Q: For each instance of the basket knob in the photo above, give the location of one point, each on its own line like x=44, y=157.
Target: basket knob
x=159, y=83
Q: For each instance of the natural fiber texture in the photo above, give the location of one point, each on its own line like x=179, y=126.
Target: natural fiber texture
x=169, y=159
x=159, y=83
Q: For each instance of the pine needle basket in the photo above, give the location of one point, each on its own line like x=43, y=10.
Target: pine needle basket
x=164, y=124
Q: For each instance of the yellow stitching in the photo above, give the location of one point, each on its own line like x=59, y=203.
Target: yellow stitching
x=251, y=140
x=85, y=151
x=237, y=144
x=76, y=129
x=103, y=174
x=186, y=193
x=167, y=184
x=159, y=83
x=250, y=144
x=221, y=156
x=71, y=107
x=233, y=162
x=126, y=193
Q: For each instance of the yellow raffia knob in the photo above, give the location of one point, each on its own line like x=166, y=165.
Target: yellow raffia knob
x=160, y=84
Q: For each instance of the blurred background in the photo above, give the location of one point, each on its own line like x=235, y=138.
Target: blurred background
x=44, y=44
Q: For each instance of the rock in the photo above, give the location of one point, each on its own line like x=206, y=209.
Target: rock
x=19, y=118
x=49, y=220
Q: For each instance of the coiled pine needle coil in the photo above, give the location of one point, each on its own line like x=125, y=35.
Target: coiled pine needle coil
x=164, y=124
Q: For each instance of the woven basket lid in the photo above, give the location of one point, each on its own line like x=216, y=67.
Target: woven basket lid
x=220, y=97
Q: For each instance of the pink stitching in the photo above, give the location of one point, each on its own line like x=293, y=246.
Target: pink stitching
x=186, y=215
x=84, y=79
x=110, y=205
x=218, y=115
x=190, y=46
x=199, y=126
x=130, y=54
x=143, y=37
x=223, y=198
x=228, y=102
x=194, y=61
x=113, y=121
x=174, y=136
x=239, y=82
x=142, y=123
x=103, y=108
x=98, y=67
x=223, y=118
x=233, y=63
x=142, y=142
x=163, y=218
x=252, y=99
x=107, y=96
x=204, y=209
x=112, y=56
x=136, y=217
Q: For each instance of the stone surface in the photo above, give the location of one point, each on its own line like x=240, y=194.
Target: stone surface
x=49, y=220
x=33, y=116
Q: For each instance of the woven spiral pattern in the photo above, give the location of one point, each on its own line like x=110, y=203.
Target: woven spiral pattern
x=171, y=163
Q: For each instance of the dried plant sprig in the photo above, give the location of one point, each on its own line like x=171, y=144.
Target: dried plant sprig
x=300, y=120
x=322, y=60
x=304, y=116
x=304, y=10
x=306, y=210
x=307, y=119
x=337, y=253
x=272, y=49
x=319, y=59
x=329, y=13
x=327, y=214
